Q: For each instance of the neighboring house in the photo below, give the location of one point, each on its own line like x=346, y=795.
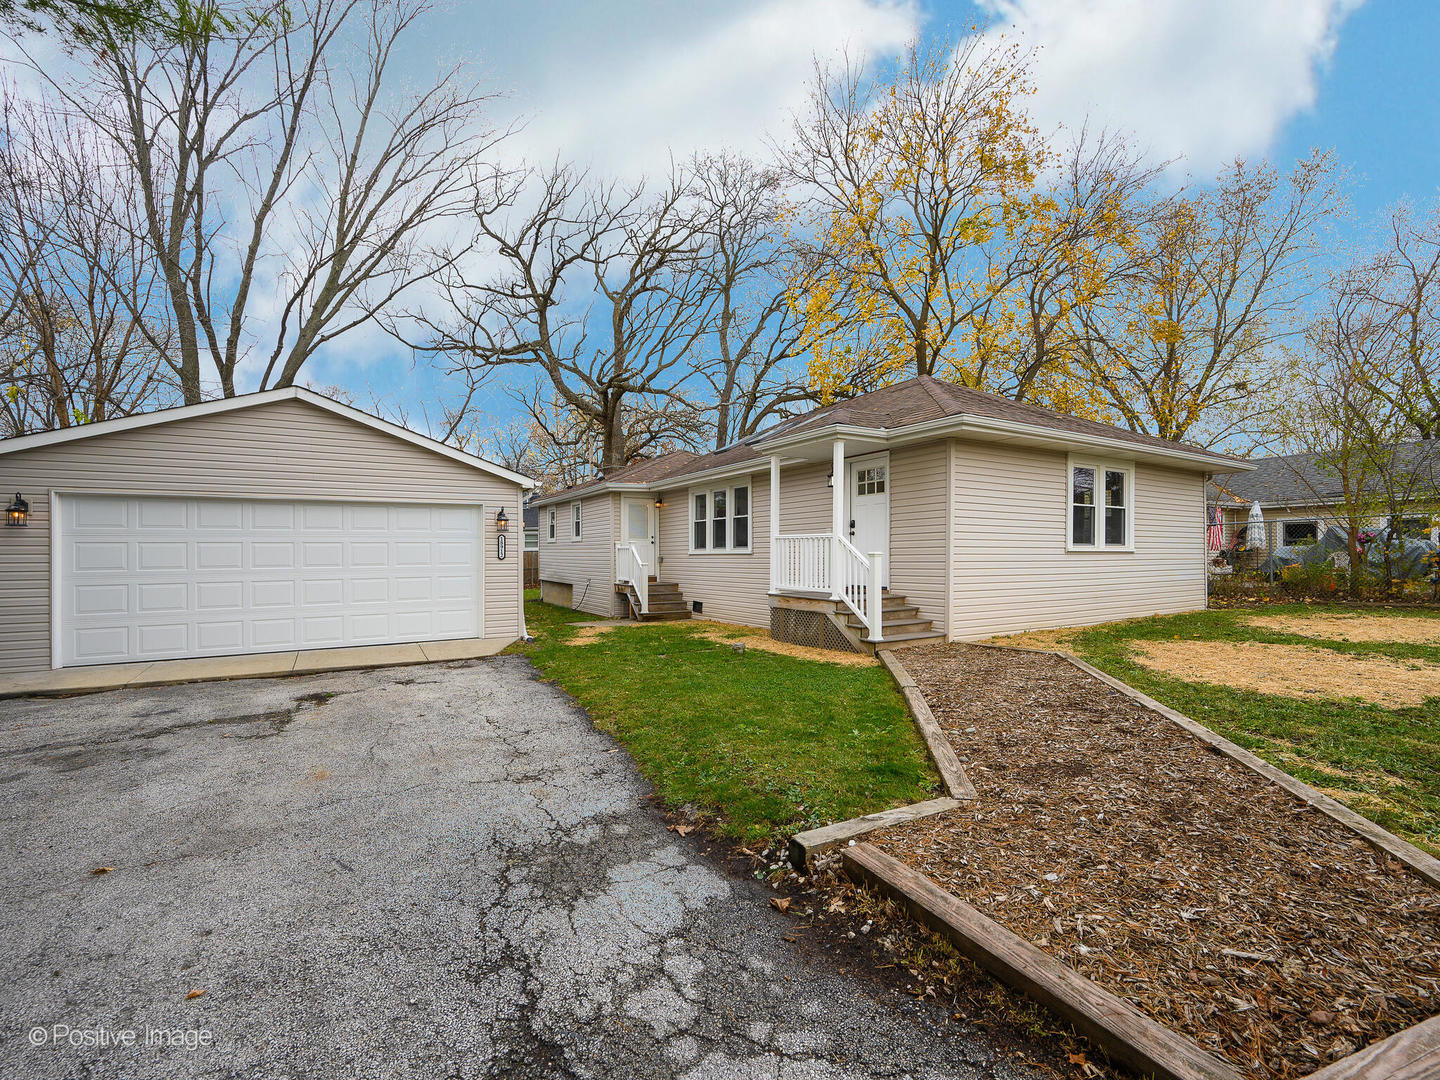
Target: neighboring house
x=275, y=521
x=532, y=524
x=1300, y=497
x=920, y=510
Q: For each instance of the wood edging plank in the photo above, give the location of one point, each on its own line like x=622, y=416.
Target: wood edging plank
x=805, y=845
x=1412, y=1054
x=1424, y=865
x=952, y=773
x=1126, y=1034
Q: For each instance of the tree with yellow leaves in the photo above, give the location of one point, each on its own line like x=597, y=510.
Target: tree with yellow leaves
x=908, y=182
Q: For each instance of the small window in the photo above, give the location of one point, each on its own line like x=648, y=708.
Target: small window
x=1100, y=506
x=1415, y=528
x=870, y=480
x=718, y=509
x=740, y=518
x=575, y=519
x=700, y=529
x=551, y=534
x=1299, y=532
x=1082, y=506
x=1114, y=507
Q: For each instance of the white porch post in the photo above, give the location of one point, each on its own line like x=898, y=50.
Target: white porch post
x=837, y=513
x=774, y=519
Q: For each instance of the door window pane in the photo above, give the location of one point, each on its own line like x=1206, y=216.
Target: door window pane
x=637, y=521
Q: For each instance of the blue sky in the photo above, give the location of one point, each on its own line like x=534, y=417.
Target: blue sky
x=620, y=84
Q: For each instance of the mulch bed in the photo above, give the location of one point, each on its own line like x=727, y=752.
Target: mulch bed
x=1169, y=874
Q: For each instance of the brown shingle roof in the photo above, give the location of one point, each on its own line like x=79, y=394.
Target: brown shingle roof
x=913, y=401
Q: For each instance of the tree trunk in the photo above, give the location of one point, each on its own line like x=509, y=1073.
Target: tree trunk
x=1352, y=536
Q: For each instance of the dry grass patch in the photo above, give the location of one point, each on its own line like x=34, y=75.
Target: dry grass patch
x=1296, y=671
x=726, y=634
x=1361, y=629
x=588, y=635
x=1063, y=640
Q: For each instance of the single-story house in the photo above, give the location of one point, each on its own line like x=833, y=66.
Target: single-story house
x=920, y=510
x=263, y=523
x=1300, y=497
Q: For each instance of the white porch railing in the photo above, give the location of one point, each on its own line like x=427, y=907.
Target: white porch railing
x=630, y=569
x=801, y=563
x=830, y=565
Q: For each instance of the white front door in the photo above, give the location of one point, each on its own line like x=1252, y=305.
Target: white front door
x=869, y=506
x=150, y=578
x=637, y=526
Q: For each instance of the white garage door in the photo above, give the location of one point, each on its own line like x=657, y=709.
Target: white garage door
x=159, y=579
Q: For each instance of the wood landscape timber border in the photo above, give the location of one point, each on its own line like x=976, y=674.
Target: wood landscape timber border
x=804, y=846
x=1424, y=865
x=1121, y=1030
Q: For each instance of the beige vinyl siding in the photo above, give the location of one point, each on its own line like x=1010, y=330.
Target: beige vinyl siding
x=587, y=564
x=287, y=449
x=1012, y=572
x=732, y=586
x=918, y=515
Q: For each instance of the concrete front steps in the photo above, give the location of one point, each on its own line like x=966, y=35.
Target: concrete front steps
x=900, y=622
x=666, y=602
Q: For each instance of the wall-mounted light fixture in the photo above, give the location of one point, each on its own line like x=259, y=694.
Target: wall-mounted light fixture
x=502, y=520
x=17, y=514
x=830, y=479
x=659, y=501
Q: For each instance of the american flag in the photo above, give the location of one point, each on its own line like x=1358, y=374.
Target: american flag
x=1217, y=531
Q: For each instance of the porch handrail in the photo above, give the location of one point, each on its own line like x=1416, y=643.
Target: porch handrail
x=858, y=585
x=630, y=570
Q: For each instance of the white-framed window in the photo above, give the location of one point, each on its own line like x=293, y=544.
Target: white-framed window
x=550, y=534
x=574, y=521
x=1102, y=506
x=720, y=518
x=870, y=480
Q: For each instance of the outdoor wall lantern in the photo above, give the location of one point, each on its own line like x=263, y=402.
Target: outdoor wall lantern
x=17, y=514
x=502, y=520
x=659, y=501
x=830, y=479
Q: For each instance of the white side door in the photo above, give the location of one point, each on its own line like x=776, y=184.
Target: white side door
x=868, y=498
x=637, y=526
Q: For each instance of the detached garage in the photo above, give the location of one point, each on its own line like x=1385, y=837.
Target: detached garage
x=267, y=523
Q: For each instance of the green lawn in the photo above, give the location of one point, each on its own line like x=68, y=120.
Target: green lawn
x=767, y=744
x=1385, y=763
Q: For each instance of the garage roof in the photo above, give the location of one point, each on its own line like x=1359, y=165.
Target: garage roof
x=246, y=401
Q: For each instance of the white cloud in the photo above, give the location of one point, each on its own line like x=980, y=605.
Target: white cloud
x=1205, y=81
x=727, y=84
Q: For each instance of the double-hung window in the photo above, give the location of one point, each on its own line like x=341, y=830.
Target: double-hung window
x=720, y=518
x=550, y=534
x=575, y=521
x=1101, y=506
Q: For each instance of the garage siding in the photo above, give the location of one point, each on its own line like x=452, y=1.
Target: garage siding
x=284, y=448
x=1012, y=571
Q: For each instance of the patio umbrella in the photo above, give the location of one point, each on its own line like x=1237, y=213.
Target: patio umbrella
x=1255, y=531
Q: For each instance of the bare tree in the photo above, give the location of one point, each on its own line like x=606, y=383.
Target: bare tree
x=1405, y=284
x=601, y=294
x=1188, y=348
x=84, y=326
x=287, y=198
x=756, y=336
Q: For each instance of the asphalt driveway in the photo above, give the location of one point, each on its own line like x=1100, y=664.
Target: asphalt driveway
x=436, y=871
